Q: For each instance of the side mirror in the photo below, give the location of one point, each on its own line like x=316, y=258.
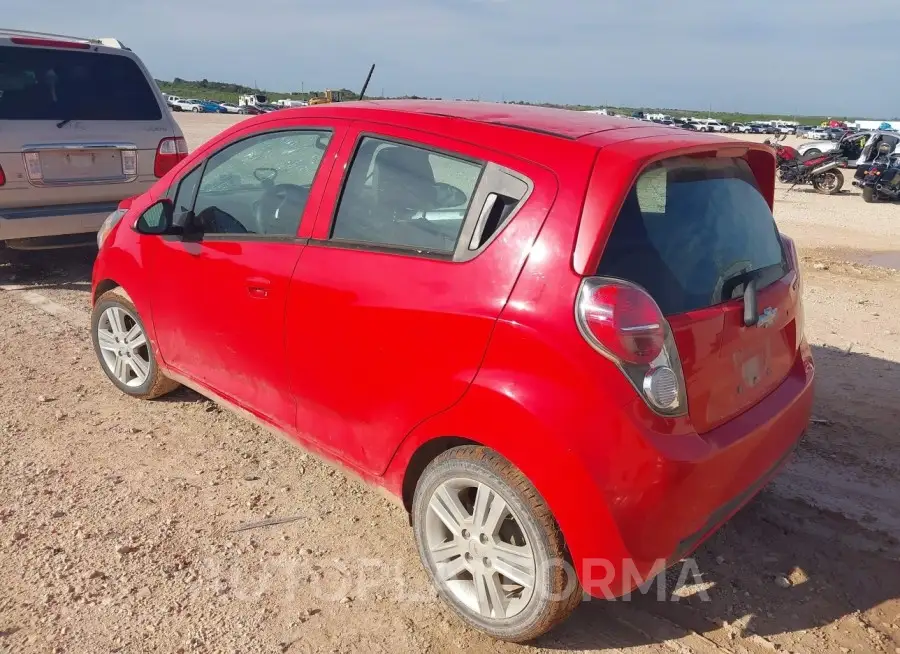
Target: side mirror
x=447, y=196
x=157, y=218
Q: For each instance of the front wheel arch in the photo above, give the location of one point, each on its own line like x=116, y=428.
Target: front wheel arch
x=102, y=287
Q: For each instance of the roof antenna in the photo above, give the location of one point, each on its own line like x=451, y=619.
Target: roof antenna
x=366, y=85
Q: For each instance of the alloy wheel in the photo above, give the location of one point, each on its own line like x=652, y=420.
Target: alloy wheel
x=123, y=346
x=479, y=550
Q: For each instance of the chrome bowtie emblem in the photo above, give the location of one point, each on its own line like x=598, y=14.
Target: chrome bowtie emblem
x=767, y=317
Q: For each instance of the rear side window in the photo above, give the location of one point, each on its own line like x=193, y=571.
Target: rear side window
x=693, y=232
x=399, y=195
x=58, y=84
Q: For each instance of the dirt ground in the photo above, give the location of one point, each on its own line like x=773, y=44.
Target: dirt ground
x=132, y=527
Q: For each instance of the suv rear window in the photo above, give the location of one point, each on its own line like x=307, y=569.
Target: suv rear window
x=693, y=232
x=57, y=84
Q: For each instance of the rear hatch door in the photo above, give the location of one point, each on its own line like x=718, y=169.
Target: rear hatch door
x=695, y=232
x=77, y=124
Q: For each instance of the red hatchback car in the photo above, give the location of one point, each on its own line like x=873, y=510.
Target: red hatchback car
x=567, y=343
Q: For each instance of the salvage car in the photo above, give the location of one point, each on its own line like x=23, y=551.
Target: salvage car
x=571, y=346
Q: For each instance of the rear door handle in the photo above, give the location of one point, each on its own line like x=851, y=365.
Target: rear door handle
x=258, y=287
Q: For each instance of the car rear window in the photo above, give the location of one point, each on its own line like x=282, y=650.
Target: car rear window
x=58, y=84
x=693, y=232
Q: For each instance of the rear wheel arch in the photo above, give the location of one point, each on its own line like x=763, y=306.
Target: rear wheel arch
x=531, y=445
x=424, y=454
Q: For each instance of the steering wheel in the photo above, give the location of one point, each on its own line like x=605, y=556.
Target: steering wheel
x=280, y=203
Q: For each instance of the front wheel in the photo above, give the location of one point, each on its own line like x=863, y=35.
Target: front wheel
x=829, y=183
x=869, y=194
x=123, y=349
x=491, y=546
x=196, y=110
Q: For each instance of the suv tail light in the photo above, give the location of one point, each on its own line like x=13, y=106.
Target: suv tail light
x=170, y=151
x=623, y=323
x=2, y=176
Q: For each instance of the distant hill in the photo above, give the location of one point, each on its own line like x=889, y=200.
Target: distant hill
x=228, y=92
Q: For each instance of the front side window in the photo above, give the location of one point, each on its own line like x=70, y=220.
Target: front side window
x=399, y=195
x=689, y=228
x=257, y=186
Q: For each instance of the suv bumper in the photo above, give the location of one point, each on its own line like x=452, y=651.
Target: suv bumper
x=56, y=220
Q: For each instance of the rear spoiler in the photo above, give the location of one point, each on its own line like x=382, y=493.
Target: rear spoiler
x=109, y=42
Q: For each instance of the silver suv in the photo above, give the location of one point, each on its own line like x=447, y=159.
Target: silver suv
x=82, y=126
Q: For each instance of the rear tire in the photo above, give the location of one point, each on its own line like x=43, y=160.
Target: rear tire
x=829, y=183
x=472, y=561
x=124, y=373
x=868, y=194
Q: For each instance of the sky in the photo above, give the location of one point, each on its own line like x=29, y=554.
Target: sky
x=802, y=57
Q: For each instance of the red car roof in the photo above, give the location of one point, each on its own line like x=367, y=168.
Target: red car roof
x=564, y=123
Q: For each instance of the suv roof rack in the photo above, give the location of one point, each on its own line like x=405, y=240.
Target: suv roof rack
x=109, y=42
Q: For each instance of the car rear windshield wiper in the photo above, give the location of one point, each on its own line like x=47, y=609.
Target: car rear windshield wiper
x=749, y=278
x=63, y=123
x=744, y=277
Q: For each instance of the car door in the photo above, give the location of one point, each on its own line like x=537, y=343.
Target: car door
x=218, y=292
x=415, y=250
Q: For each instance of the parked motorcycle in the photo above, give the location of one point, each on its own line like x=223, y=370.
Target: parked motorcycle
x=880, y=180
x=820, y=170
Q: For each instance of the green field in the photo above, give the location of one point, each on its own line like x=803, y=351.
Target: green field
x=227, y=92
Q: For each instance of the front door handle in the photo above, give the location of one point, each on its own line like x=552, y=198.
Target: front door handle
x=258, y=287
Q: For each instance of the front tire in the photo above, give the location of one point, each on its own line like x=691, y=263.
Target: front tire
x=124, y=350
x=196, y=110
x=491, y=546
x=829, y=183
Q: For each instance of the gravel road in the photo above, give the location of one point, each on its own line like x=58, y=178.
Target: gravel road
x=175, y=526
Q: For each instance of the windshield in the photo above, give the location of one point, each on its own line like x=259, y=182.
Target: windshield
x=58, y=84
x=688, y=228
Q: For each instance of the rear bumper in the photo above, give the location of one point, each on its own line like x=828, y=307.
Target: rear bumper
x=686, y=486
x=57, y=220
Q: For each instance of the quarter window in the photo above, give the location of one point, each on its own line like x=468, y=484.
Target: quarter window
x=184, y=197
x=405, y=196
x=257, y=186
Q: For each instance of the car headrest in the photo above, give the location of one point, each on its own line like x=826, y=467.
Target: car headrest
x=403, y=179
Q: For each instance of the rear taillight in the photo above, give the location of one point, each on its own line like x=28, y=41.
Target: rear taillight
x=171, y=150
x=623, y=323
x=791, y=251
x=794, y=259
x=2, y=176
x=626, y=321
